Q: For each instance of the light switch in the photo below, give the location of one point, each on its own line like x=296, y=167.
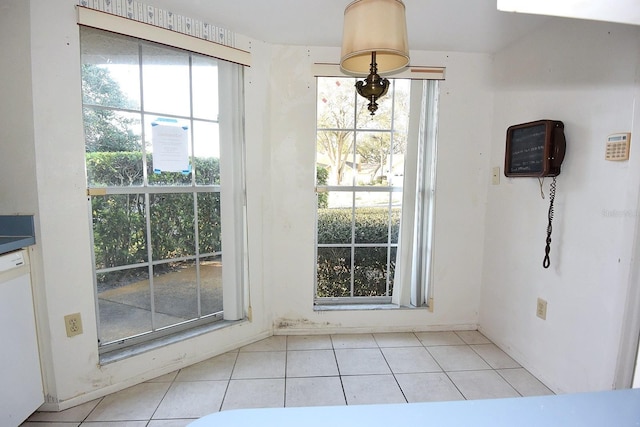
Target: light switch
x=495, y=175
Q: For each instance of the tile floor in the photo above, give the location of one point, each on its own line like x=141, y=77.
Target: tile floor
x=313, y=370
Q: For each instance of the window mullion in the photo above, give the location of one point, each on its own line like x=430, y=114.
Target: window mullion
x=152, y=303
x=147, y=196
x=143, y=137
x=353, y=242
x=390, y=182
x=196, y=219
x=353, y=205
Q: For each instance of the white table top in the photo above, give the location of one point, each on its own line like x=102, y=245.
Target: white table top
x=620, y=408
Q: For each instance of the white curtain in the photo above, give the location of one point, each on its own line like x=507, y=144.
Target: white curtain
x=232, y=192
x=415, y=246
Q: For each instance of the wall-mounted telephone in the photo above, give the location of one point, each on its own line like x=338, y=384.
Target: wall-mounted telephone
x=537, y=149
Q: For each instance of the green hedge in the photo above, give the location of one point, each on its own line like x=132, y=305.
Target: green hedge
x=119, y=221
x=119, y=225
x=125, y=169
x=372, y=265
x=322, y=176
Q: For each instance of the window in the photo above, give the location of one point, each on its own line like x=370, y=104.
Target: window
x=163, y=201
x=375, y=186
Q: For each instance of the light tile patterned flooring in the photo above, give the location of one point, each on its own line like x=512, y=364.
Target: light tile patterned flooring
x=313, y=370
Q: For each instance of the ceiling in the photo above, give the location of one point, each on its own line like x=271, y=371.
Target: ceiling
x=438, y=25
x=623, y=11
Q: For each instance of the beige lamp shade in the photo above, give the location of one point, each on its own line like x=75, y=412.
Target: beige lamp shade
x=374, y=26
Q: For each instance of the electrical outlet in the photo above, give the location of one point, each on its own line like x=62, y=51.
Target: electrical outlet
x=73, y=324
x=541, y=309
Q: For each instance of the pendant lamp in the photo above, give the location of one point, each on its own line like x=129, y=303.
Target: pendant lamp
x=374, y=40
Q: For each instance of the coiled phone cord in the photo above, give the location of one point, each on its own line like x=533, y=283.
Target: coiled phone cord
x=552, y=195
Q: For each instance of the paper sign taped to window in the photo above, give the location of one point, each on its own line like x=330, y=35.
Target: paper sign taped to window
x=170, y=146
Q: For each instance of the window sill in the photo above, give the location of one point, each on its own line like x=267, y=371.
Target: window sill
x=134, y=350
x=362, y=307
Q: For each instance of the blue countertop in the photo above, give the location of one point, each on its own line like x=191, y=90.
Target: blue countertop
x=16, y=232
x=620, y=408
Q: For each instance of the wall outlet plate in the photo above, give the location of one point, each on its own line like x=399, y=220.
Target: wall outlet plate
x=73, y=324
x=541, y=309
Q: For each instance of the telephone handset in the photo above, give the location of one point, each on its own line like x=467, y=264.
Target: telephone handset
x=537, y=149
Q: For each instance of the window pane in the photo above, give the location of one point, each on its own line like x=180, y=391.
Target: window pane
x=396, y=159
x=396, y=211
x=124, y=304
x=110, y=70
x=125, y=243
x=335, y=225
x=372, y=217
x=175, y=292
x=382, y=118
x=373, y=150
x=165, y=77
x=393, y=258
x=336, y=99
x=401, y=108
x=114, y=156
x=161, y=177
x=172, y=232
x=111, y=131
x=206, y=145
x=335, y=152
x=334, y=272
x=211, y=285
x=204, y=74
x=209, y=227
x=340, y=199
x=370, y=272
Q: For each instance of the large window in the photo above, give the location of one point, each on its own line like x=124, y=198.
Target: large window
x=162, y=209
x=375, y=192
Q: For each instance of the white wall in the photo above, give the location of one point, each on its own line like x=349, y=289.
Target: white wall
x=574, y=349
x=280, y=115
x=18, y=184
x=462, y=177
x=42, y=124
x=585, y=74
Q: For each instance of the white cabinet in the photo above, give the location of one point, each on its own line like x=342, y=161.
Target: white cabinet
x=20, y=375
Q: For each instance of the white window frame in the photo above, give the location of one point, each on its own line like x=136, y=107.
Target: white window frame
x=232, y=175
x=128, y=27
x=413, y=274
